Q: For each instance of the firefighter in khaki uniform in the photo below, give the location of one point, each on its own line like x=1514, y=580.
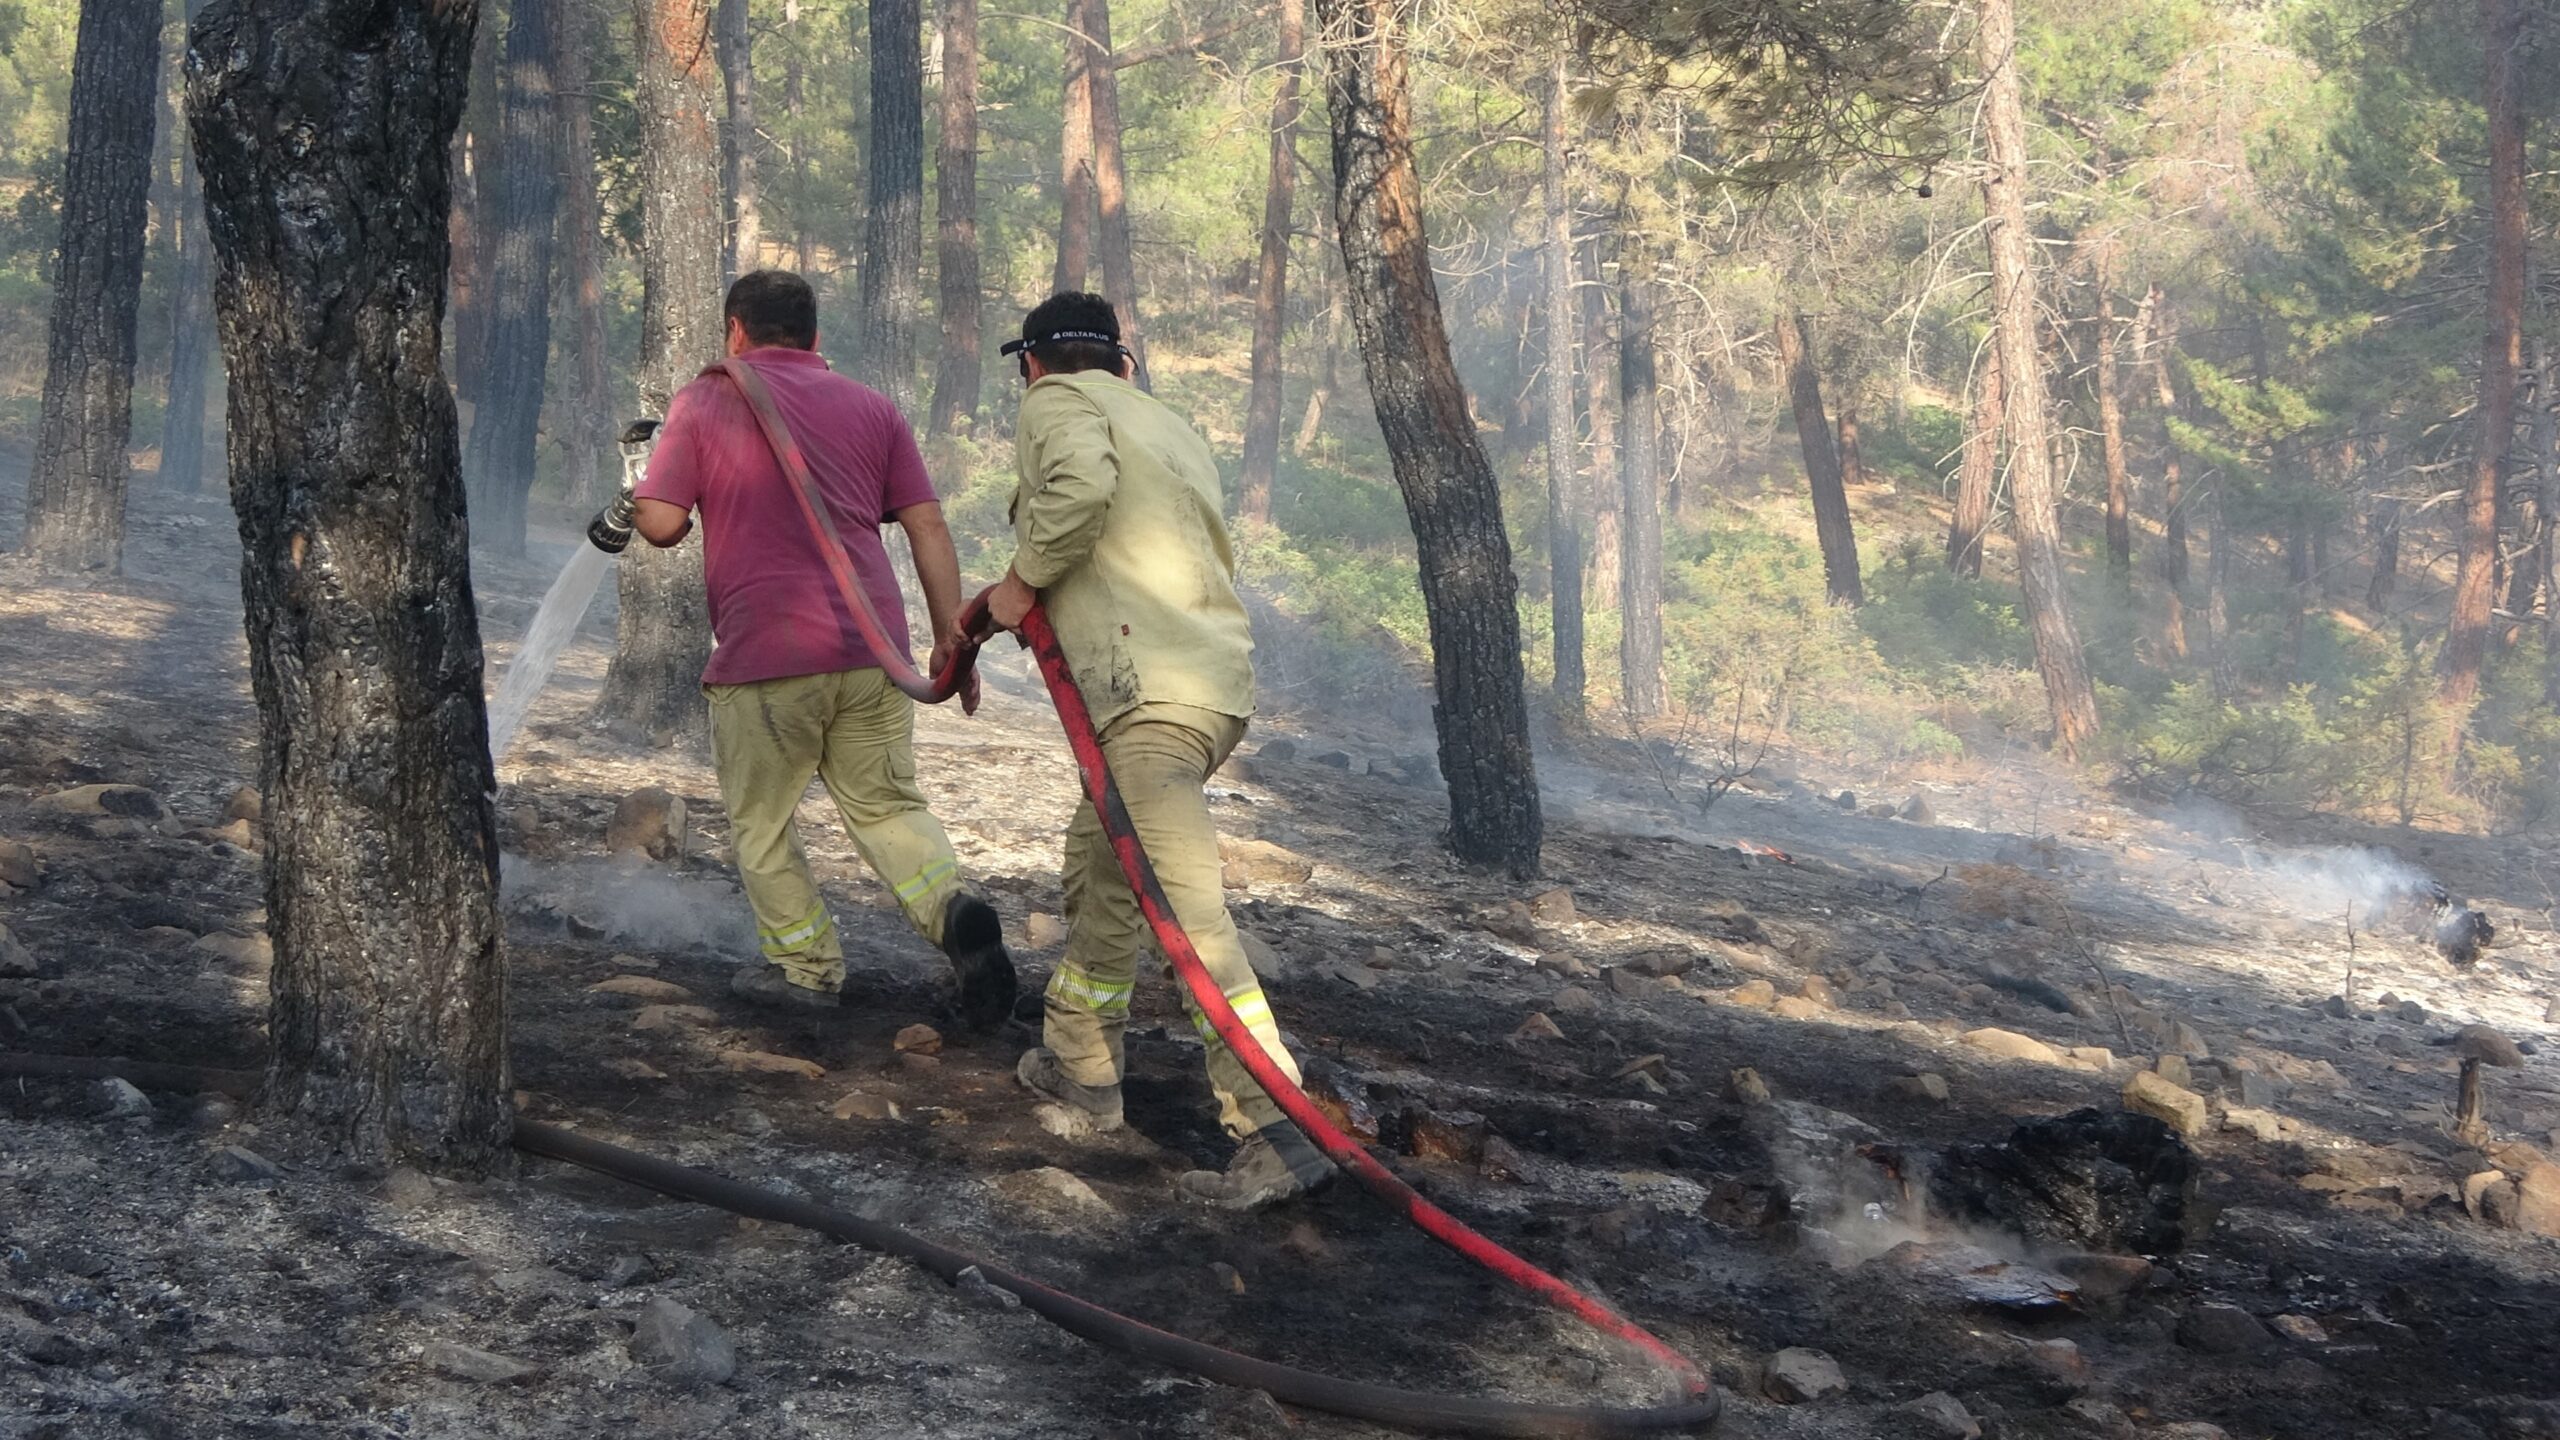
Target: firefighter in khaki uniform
x=1118, y=532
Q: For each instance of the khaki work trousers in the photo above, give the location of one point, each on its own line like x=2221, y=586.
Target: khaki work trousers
x=856, y=731
x=1162, y=756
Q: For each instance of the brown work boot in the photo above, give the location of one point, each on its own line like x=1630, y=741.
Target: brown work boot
x=974, y=939
x=1275, y=1163
x=769, y=984
x=1088, y=1109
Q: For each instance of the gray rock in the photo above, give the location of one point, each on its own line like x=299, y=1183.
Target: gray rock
x=1941, y=1415
x=650, y=822
x=2412, y=1013
x=123, y=1098
x=1797, y=1375
x=1918, y=811
x=2337, y=1008
x=973, y=1284
x=1928, y=1088
x=2257, y=1089
x=1278, y=747
x=20, y=870
x=464, y=1363
x=2223, y=1330
x=682, y=1347
x=1846, y=800
x=241, y=1165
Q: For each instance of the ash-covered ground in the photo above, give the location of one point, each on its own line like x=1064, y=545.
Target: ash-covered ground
x=1558, y=1063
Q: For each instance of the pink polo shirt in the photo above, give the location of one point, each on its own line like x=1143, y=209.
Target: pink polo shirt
x=775, y=610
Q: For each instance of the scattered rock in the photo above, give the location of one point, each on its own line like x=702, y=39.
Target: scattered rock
x=1752, y=995
x=1537, y=1027
x=2190, y=1430
x=862, y=1105
x=2105, y=1277
x=16, y=960
x=918, y=1040
x=1278, y=747
x=406, y=1189
x=1050, y=1188
x=1797, y=1375
x=244, y=955
x=130, y=802
x=1512, y=921
x=1846, y=799
x=1623, y=981
x=2010, y=1045
x=1457, y=1136
x=1574, y=1000
x=2181, y=1109
x=1928, y=1088
x=2059, y=1357
x=2538, y=1200
x=682, y=1347
x=2173, y=1068
x=1226, y=1277
x=245, y=804
x=1746, y=1087
x=1247, y=863
x=19, y=868
x=2300, y=1328
x=978, y=1290
x=650, y=822
x=2093, y=1057
x=2410, y=1012
x=765, y=1062
x=1042, y=930
x=668, y=1017
x=2490, y=1196
x=123, y=1098
x=1355, y=974
x=1796, y=1007
x=1819, y=991
x=2263, y=1125
x=464, y=1363
x=1663, y=964
x=1941, y=1416
x=241, y=1165
x=2337, y=1008
x=1553, y=906
x=2089, y=1180
x=2550, y=1009
x=1502, y=1163
x=2223, y=1330
x=642, y=987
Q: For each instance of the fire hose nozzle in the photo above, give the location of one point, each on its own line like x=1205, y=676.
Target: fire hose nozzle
x=610, y=531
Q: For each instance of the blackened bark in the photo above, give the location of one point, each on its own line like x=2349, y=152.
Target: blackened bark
x=476, y=149
x=1639, y=495
x=2048, y=604
x=323, y=128
x=2111, y=445
x=191, y=334
x=2173, y=486
x=498, y=459
x=588, y=429
x=1977, y=470
x=959, y=373
x=1111, y=195
x=1600, y=419
x=738, y=137
x=2475, y=581
x=1075, y=155
x=2525, y=581
x=76, y=484
x=2384, y=524
x=1564, y=489
x=1853, y=460
x=890, y=301
x=1821, y=464
x=663, y=635
x=1468, y=586
x=2546, y=554
x=1271, y=273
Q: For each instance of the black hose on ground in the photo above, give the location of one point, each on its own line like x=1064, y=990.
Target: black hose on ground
x=1382, y=1404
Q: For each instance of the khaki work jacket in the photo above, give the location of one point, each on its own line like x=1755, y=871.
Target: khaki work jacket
x=1117, y=519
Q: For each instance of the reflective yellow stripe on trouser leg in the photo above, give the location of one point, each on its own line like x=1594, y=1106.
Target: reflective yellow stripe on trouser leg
x=806, y=949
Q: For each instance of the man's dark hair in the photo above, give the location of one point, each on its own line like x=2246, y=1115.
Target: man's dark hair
x=776, y=307
x=1074, y=312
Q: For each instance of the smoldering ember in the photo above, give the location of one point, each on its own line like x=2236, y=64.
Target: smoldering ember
x=1824, y=720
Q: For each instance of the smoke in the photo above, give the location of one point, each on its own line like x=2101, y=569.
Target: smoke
x=652, y=906
x=2323, y=884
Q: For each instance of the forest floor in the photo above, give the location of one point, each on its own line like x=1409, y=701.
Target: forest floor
x=156, y=1281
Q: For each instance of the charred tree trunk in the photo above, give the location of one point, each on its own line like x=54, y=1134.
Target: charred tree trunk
x=2173, y=488
x=1564, y=497
x=498, y=462
x=736, y=42
x=2525, y=584
x=2546, y=458
x=1853, y=461
x=891, y=298
x=2217, y=597
x=1599, y=410
x=191, y=334
x=2111, y=445
x=662, y=635
x=1271, y=273
x=2385, y=525
x=1821, y=464
x=2475, y=583
x=76, y=482
x=2048, y=605
x=2298, y=573
x=1075, y=154
x=323, y=128
x=589, y=429
x=476, y=148
x=1639, y=496
x=959, y=372
x=1450, y=493
x=1976, y=471
x=1111, y=196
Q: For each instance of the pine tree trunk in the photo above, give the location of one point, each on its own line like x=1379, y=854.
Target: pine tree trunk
x=191, y=334
x=2546, y=459
x=2048, y=604
x=498, y=459
x=476, y=148
x=736, y=42
x=1271, y=273
x=2298, y=572
x=2475, y=582
x=2385, y=526
x=959, y=373
x=1639, y=494
x=1564, y=489
x=1468, y=585
x=2217, y=598
x=1599, y=418
x=1853, y=461
x=1821, y=464
x=1075, y=154
x=76, y=481
x=2173, y=488
x=804, y=245
x=1976, y=471
x=2111, y=444
x=1111, y=196
x=663, y=633
x=324, y=128
x=589, y=429
x=891, y=298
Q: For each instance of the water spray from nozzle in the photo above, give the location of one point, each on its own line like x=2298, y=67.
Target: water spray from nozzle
x=610, y=531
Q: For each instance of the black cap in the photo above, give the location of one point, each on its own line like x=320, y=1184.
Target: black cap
x=1070, y=317
x=1060, y=337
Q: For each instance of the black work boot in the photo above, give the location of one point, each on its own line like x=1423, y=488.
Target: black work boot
x=1089, y=1109
x=1275, y=1163
x=974, y=939
x=769, y=984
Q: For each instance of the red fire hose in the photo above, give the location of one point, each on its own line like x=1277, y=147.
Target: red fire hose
x=1699, y=1404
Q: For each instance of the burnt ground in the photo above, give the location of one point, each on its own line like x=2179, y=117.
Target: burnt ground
x=144, y=1291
